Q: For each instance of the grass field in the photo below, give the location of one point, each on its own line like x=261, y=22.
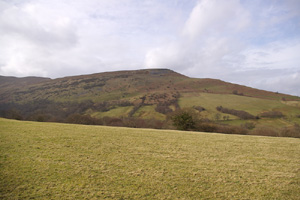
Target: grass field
x=252, y=105
x=148, y=112
x=64, y=161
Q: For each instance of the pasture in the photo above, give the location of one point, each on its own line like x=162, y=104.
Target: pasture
x=66, y=161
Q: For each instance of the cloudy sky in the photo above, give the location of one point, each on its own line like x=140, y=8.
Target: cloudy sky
x=249, y=42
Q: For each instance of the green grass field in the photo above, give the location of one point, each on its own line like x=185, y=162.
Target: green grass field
x=65, y=161
x=252, y=105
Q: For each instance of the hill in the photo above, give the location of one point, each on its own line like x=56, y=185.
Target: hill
x=150, y=94
x=122, y=85
x=63, y=161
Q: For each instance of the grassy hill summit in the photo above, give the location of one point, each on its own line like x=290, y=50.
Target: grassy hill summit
x=148, y=98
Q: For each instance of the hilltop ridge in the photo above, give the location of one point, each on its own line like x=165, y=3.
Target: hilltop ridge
x=120, y=84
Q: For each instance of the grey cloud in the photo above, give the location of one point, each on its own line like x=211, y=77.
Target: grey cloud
x=237, y=41
x=23, y=22
x=216, y=43
x=276, y=80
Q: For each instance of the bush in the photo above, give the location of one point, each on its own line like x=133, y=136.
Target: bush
x=220, y=128
x=83, y=119
x=164, y=109
x=272, y=114
x=248, y=125
x=142, y=123
x=199, y=108
x=12, y=114
x=239, y=113
x=265, y=131
x=237, y=93
x=40, y=117
x=112, y=121
x=206, y=127
x=293, y=131
x=232, y=130
x=184, y=120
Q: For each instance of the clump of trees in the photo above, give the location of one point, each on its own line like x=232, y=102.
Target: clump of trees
x=237, y=93
x=83, y=119
x=181, y=119
x=163, y=108
x=291, y=131
x=188, y=119
x=11, y=114
x=239, y=113
x=272, y=114
x=184, y=120
x=115, y=121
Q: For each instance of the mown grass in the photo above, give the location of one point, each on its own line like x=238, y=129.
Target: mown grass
x=63, y=161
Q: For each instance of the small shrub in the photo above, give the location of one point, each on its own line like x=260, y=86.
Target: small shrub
x=235, y=92
x=264, y=131
x=199, y=108
x=206, y=127
x=112, y=121
x=83, y=119
x=164, y=109
x=232, y=129
x=217, y=116
x=248, y=125
x=293, y=131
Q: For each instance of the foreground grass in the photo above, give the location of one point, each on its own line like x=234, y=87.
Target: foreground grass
x=63, y=161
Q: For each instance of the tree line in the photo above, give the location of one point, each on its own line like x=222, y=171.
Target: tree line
x=180, y=119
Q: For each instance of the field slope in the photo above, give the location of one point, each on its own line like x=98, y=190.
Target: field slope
x=63, y=161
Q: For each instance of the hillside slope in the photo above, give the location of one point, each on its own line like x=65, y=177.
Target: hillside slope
x=144, y=94
x=120, y=85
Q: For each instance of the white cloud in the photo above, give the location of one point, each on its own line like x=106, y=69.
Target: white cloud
x=207, y=38
x=214, y=17
x=227, y=40
x=58, y=38
x=234, y=40
x=275, y=55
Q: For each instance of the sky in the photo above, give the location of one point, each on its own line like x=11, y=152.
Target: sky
x=249, y=42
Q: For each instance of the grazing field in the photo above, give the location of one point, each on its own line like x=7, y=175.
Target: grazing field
x=64, y=161
x=252, y=105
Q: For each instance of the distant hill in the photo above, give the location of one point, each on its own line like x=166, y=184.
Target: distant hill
x=144, y=94
x=9, y=82
x=127, y=85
